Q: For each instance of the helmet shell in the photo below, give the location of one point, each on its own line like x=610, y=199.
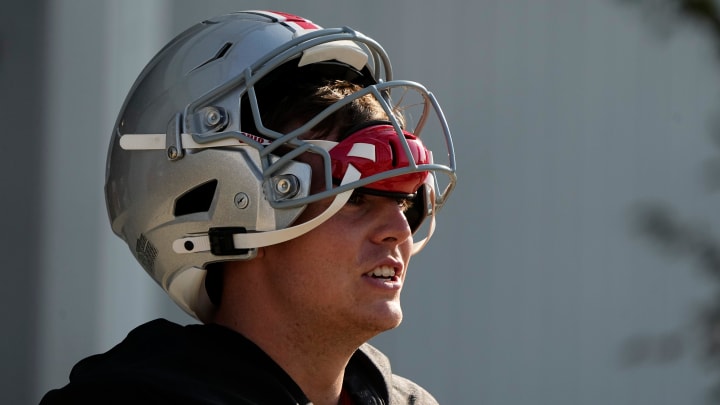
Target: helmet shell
x=142, y=187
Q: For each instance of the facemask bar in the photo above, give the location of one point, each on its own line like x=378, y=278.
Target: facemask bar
x=380, y=65
x=272, y=165
x=378, y=92
x=299, y=146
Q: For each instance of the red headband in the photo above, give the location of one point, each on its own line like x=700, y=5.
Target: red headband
x=377, y=149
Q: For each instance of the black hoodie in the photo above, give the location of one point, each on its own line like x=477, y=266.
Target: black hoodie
x=165, y=363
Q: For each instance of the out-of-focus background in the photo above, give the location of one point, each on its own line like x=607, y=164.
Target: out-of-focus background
x=578, y=261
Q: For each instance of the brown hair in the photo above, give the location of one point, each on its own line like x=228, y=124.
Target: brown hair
x=307, y=101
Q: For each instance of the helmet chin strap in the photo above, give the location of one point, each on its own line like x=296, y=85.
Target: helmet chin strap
x=268, y=238
x=201, y=243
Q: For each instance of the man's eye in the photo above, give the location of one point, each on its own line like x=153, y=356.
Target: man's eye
x=356, y=198
x=405, y=203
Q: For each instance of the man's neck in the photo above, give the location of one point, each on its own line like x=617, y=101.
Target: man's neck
x=314, y=359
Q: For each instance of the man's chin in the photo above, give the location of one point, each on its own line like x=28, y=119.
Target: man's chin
x=388, y=317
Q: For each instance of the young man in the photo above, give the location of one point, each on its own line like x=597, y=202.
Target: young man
x=263, y=173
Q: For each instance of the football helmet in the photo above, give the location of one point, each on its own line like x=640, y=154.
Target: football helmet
x=195, y=177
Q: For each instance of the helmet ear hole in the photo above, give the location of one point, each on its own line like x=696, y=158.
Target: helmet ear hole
x=199, y=199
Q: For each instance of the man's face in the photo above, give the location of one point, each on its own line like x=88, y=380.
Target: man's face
x=346, y=274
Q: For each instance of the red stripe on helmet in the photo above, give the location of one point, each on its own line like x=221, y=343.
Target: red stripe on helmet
x=301, y=22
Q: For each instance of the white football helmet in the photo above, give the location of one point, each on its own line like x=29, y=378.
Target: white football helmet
x=194, y=176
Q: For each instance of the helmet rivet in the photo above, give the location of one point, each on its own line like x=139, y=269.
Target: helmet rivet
x=212, y=117
x=172, y=153
x=283, y=186
x=242, y=200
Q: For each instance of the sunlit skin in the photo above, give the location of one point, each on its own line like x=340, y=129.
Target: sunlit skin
x=322, y=278
x=310, y=302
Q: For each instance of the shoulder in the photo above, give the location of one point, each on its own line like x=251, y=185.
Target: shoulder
x=162, y=362
x=405, y=391
x=400, y=389
x=127, y=373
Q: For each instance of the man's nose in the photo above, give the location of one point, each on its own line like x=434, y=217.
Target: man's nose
x=392, y=225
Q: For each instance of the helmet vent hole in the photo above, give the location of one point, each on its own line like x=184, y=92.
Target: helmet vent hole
x=199, y=199
x=218, y=55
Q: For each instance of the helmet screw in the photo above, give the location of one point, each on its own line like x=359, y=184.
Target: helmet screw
x=172, y=153
x=242, y=200
x=283, y=186
x=212, y=117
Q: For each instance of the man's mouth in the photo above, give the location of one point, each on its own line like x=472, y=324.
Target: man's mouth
x=384, y=272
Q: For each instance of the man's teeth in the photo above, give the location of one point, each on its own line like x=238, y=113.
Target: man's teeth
x=384, y=272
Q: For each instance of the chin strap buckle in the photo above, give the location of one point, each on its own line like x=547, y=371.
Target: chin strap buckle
x=221, y=241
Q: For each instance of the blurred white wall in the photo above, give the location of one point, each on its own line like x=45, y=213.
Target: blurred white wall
x=91, y=291
x=571, y=118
